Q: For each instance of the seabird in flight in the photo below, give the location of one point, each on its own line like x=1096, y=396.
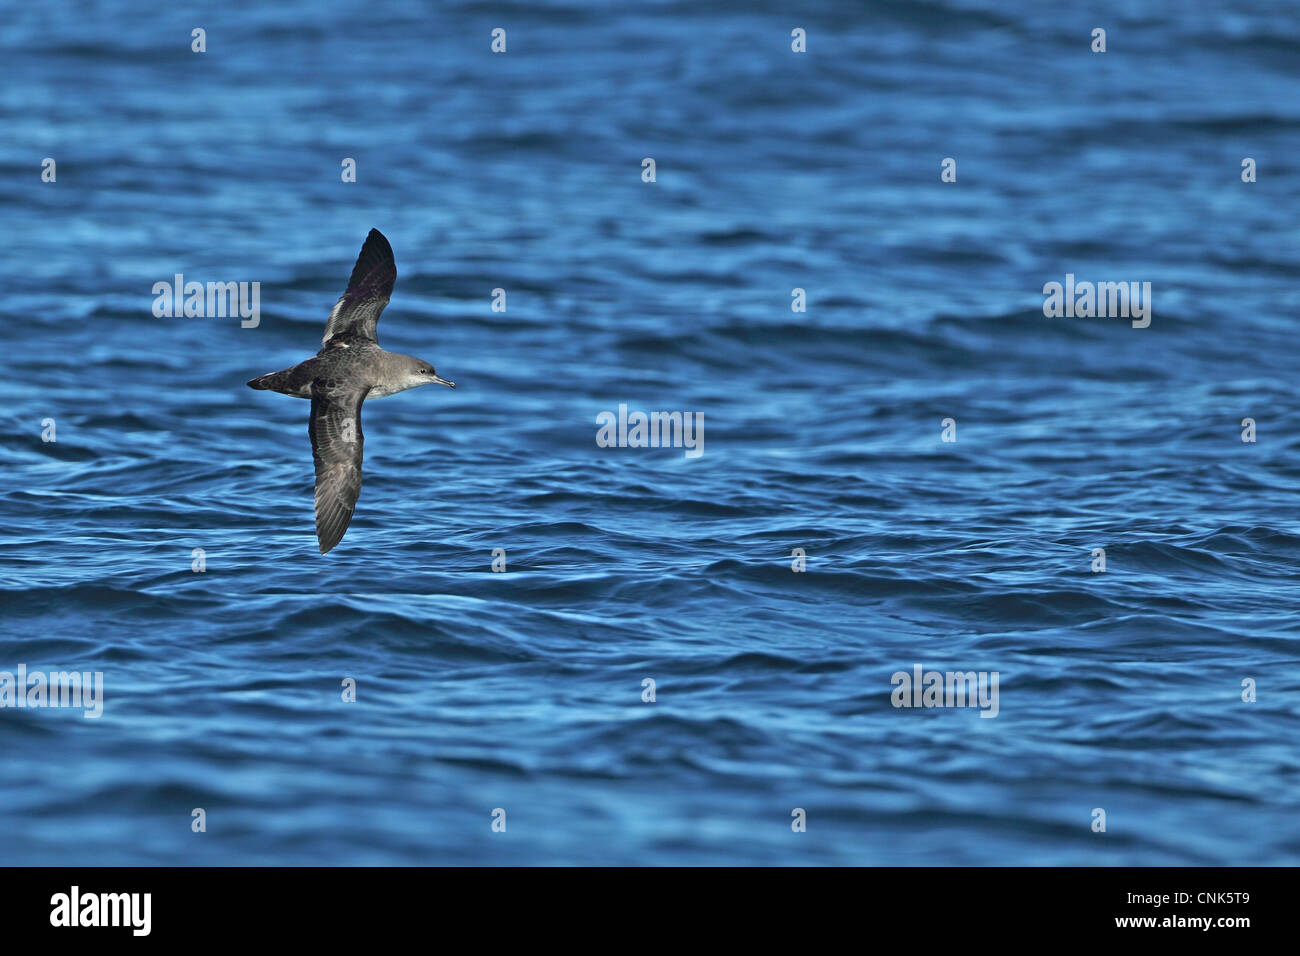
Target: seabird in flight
x=349, y=368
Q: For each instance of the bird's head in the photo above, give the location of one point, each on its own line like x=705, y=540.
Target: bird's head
x=421, y=372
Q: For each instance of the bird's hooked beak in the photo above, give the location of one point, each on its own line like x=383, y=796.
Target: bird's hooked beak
x=443, y=381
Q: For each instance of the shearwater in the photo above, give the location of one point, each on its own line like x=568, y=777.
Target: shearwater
x=349, y=368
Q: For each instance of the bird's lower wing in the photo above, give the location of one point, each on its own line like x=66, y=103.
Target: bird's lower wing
x=336, y=446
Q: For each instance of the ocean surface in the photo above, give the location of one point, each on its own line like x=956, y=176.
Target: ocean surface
x=484, y=695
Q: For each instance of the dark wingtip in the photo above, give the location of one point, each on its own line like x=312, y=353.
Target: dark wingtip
x=380, y=242
x=326, y=538
x=375, y=254
x=331, y=532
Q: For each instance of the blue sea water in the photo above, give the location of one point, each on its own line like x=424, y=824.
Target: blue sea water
x=522, y=691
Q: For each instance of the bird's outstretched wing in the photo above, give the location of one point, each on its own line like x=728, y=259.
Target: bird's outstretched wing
x=356, y=314
x=336, y=446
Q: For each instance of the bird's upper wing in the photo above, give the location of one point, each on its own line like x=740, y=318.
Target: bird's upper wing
x=357, y=311
x=336, y=445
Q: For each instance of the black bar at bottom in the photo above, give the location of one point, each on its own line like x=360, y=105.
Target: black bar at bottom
x=214, y=905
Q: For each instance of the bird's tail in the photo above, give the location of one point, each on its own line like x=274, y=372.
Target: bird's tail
x=275, y=381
